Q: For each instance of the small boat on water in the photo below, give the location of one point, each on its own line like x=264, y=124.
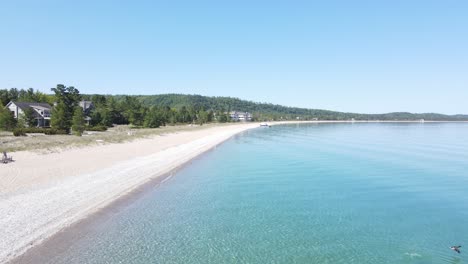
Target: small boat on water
x=264, y=125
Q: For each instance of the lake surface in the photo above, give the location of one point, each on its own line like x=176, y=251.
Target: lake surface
x=315, y=193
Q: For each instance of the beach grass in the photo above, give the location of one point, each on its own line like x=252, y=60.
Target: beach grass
x=117, y=134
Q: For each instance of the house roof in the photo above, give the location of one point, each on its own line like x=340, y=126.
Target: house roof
x=24, y=105
x=86, y=104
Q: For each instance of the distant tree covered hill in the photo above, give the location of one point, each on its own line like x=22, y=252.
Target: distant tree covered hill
x=265, y=111
x=159, y=110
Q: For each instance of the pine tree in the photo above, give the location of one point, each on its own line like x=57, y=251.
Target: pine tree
x=67, y=100
x=7, y=121
x=59, y=118
x=153, y=118
x=78, y=122
x=29, y=117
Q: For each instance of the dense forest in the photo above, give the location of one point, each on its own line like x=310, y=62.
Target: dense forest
x=265, y=111
x=159, y=110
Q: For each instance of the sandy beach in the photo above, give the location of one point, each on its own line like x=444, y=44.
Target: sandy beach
x=41, y=194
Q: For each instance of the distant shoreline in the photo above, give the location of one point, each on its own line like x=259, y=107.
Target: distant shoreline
x=122, y=134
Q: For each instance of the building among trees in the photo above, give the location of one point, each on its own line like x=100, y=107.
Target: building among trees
x=240, y=116
x=87, y=107
x=35, y=114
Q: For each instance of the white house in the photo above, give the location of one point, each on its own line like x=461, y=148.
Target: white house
x=240, y=116
x=41, y=111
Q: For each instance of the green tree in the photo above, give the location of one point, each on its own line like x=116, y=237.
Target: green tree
x=172, y=117
x=4, y=97
x=210, y=116
x=59, y=118
x=222, y=117
x=13, y=94
x=7, y=120
x=29, y=118
x=153, y=118
x=134, y=112
x=184, y=115
x=101, y=116
x=115, y=112
x=96, y=117
x=68, y=95
x=78, y=122
x=202, y=117
x=68, y=99
x=106, y=117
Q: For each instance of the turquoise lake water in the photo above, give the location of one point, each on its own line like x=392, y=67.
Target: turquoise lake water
x=326, y=193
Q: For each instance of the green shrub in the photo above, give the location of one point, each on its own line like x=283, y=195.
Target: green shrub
x=53, y=131
x=96, y=128
x=18, y=132
x=48, y=131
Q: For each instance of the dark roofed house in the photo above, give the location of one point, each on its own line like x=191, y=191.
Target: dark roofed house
x=41, y=111
x=87, y=106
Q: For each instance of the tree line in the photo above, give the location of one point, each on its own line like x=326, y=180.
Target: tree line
x=153, y=111
x=107, y=110
x=267, y=111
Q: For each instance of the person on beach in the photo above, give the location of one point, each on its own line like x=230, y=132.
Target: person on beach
x=5, y=157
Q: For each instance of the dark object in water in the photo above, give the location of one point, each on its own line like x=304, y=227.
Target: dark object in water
x=456, y=249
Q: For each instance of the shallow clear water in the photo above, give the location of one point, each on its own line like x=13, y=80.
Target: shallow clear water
x=327, y=193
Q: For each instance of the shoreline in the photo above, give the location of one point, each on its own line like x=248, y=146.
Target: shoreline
x=34, y=215
x=60, y=241
x=79, y=215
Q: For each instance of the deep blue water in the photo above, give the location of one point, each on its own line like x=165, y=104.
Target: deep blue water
x=327, y=193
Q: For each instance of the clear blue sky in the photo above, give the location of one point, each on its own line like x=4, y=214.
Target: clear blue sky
x=356, y=56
